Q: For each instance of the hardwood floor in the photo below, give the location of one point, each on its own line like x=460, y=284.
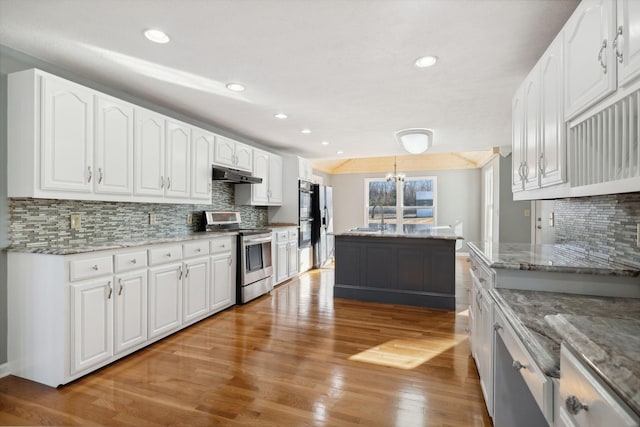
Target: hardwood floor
x=282, y=360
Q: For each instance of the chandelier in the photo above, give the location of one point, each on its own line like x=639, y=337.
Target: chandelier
x=395, y=176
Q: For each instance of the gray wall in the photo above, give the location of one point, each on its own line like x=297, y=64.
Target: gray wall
x=515, y=227
x=458, y=200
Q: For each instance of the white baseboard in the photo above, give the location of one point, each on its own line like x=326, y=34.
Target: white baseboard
x=4, y=370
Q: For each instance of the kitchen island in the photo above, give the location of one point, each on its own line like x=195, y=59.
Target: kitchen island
x=413, y=268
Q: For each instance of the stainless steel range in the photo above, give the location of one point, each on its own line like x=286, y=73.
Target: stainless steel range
x=255, y=269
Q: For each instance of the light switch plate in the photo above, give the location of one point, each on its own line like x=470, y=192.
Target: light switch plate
x=527, y=212
x=152, y=218
x=75, y=221
x=190, y=219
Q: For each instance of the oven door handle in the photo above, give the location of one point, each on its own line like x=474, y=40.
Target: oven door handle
x=252, y=241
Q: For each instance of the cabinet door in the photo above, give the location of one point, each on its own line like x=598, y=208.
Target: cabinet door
x=532, y=130
x=113, y=146
x=282, y=259
x=130, y=310
x=165, y=299
x=628, y=42
x=91, y=323
x=201, y=159
x=590, y=66
x=517, y=140
x=225, y=152
x=260, y=192
x=244, y=156
x=195, y=289
x=292, y=263
x=223, y=286
x=552, y=129
x=275, y=180
x=178, y=160
x=485, y=350
x=67, y=136
x=149, y=153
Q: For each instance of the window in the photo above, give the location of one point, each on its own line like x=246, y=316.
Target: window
x=407, y=205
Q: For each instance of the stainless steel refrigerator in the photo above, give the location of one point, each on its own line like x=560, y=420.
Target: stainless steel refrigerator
x=322, y=225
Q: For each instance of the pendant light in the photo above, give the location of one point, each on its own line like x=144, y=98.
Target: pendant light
x=395, y=177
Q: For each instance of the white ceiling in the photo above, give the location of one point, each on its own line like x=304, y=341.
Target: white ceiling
x=342, y=68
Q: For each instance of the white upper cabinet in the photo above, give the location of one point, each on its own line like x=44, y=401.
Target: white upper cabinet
x=178, y=160
x=627, y=42
x=113, y=146
x=517, y=138
x=267, y=166
x=232, y=154
x=149, y=153
x=531, y=97
x=552, y=157
x=202, y=147
x=590, y=63
x=67, y=136
x=305, y=170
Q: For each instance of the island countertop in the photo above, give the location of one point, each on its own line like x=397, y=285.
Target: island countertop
x=439, y=232
x=542, y=320
x=561, y=258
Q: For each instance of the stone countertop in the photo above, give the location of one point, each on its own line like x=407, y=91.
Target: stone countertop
x=542, y=320
x=610, y=346
x=121, y=244
x=443, y=233
x=561, y=258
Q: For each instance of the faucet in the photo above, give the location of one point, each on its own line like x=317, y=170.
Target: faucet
x=373, y=214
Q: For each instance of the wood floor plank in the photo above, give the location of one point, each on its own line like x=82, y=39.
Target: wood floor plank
x=282, y=360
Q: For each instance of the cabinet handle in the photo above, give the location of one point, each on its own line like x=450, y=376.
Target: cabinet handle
x=110, y=290
x=474, y=268
x=186, y=276
x=161, y=182
x=121, y=287
x=574, y=405
x=541, y=163
x=482, y=280
x=133, y=261
x=168, y=183
x=525, y=171
x=468, y=260
x=180, y=272
x=517, y=365
x=100, y=175
x=90, y=174
x=615, y=44
x=497, y=326
x=603, y=64
x=198, y=250
x=169, y=254
x=230, y=261
x=467, y=330
x=95, y=267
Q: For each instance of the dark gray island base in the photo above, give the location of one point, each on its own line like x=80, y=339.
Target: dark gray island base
x=396, y=269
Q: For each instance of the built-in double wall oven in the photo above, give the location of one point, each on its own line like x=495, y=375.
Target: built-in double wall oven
x=305, y=217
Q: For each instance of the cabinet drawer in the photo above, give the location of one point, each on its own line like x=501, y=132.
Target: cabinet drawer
x=282, y=236
x=539, y=384
x=481, y=273
x=293, y=234
x=165, y=254
x=130, y=261
x=579, y=386
x=222, y=244
x=192, y=249
x=90, y=267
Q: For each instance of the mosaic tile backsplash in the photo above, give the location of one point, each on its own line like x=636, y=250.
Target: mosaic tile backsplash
x=45, y=222
x=603, y=226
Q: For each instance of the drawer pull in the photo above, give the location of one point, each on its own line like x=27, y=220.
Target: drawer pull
x=198, y=250
x=95, y=267
x=121, y=287
x=482, y=280
x=474, y=268
x=468, y=260
x=133, y=261
x=169, y=254
x=180, y=272
x=110, y=291
x=497, y=327
x=574, y=405
x=517, y=365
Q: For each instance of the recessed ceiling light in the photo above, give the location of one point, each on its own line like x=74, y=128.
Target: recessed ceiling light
x=340, y=152
x=426, y=61
x=280, y=116
x=236, y=87
x=325, y=143
x=156, y=36
x=306, y=131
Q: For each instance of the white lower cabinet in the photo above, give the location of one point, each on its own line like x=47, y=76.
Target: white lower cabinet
x=130, y=299
x=91, y=323
x=84, y=311
x=285, y=250
x=165, y=299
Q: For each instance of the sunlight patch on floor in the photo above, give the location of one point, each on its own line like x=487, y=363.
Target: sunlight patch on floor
x=405, y=353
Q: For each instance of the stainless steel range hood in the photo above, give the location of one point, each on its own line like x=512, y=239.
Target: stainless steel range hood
x=234, y=176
